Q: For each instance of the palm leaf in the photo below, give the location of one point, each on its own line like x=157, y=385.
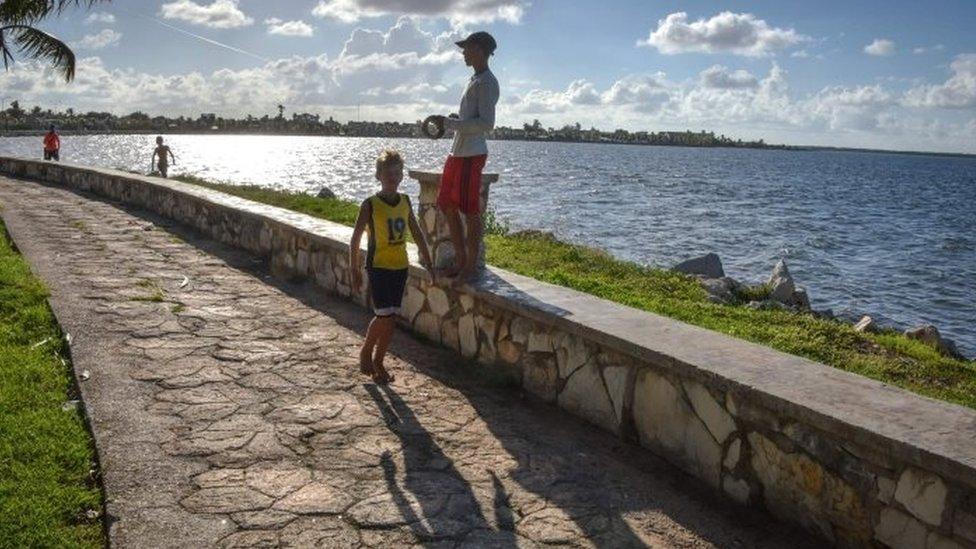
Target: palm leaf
x=30, y=11
x=38, y=44
x=8, y=57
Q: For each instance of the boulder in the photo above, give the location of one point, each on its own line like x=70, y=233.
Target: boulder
x=326, y=192
x=767, y=305
x=930, y=336
x=949, y=349
x=800, y=300
x=720, y=290
x=781, y=284
x=827, y=314
x=866, y=324
x=708, y=265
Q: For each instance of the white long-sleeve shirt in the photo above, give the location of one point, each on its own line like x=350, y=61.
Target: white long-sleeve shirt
x=476, y=117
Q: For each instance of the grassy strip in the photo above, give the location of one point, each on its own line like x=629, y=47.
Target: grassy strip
x=888, y=357
x=47, y=491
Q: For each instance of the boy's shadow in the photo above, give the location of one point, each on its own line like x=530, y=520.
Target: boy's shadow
x=432, y=496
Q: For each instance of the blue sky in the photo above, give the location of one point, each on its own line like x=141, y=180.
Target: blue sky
x=893, y=74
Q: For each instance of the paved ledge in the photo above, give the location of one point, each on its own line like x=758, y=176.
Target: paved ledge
x=851, y=459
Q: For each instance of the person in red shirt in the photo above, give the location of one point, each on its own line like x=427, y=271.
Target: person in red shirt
x=52, y=145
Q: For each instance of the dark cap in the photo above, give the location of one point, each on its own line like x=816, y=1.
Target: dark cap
x=481, y=39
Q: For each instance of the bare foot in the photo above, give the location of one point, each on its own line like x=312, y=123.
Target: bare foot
x=365, y=364
x=381, y=376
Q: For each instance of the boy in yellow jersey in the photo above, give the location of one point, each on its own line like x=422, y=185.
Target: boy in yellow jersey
x=385, y=216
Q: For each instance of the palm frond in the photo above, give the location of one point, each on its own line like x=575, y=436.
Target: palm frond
x=30, y=11
x=38, y=44
x=5, y=53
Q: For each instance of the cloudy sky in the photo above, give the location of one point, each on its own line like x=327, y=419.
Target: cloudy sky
x=893, y=74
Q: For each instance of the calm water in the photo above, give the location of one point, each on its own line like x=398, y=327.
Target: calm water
x=889, y=235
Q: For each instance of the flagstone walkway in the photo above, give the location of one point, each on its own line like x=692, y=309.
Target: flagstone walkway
x=228, y=411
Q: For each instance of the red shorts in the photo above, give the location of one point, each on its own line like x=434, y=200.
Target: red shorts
x=461, y=183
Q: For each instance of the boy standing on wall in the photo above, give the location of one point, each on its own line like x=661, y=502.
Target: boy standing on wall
x=460, y=191
x=385, y=216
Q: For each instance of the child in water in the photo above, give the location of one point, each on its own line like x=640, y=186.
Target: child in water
x=161, y=151
x=52, y=145
x=385, y=216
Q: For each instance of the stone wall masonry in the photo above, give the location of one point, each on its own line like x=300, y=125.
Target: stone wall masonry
x=860, y=463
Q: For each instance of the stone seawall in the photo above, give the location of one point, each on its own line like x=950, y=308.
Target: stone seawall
x=851, y=459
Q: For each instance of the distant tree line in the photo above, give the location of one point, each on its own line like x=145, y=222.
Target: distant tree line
x=16, y=119
x=536, y=132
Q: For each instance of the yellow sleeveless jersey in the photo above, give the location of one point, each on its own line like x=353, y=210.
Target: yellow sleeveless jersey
x=387, y=247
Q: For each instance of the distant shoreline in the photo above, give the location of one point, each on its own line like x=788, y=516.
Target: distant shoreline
x=882, y=151
x=810, y=148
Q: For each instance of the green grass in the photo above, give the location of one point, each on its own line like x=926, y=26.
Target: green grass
x=340, y=211
x=46, y=453
x=156, y=294
x=888, y=357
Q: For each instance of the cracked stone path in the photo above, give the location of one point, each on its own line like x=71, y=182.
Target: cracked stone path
x=227, y=412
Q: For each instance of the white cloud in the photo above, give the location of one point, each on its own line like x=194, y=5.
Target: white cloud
x=718, y=94
x=100, y=40
x=880, y=47
x=804, y=54
x=581, y=92
x=926, y=49
x=720, y=77
x=288, y=28
x=458, y=11
x=855, y=97
x=100, y=17
x=404, y=46
x=861, y=107
x=221, y=14
x=958, y=92
x=643, y=92
x=739, y=103
x=727, y=32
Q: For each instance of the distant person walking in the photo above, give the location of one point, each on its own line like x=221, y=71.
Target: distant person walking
x=460, y=191
x=52, y=145
x=162, y=151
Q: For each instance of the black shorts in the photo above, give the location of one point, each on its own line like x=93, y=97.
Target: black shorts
x=386, y=289
x=51, y=155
